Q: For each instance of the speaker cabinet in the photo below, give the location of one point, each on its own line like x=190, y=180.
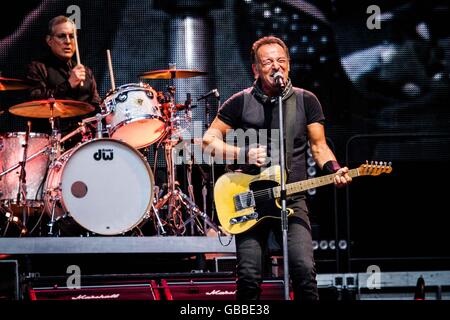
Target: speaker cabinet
x=147, y=290
x=215, y=289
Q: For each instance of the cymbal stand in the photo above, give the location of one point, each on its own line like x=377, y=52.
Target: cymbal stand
x=22, y=190
x=175, y=198
x=55, y=151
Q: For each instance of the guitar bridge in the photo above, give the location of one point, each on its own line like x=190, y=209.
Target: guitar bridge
x=251, y=216
x=244, y=200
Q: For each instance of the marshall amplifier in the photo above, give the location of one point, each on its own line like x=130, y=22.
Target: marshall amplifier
x=147, y=290
x=215, y=289
x=9, y=280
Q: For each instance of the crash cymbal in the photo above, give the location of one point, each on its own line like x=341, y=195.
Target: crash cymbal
x=171, y=74
x=13, y=84
x=43, y=108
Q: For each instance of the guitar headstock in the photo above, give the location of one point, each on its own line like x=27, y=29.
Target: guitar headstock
x=374, y=168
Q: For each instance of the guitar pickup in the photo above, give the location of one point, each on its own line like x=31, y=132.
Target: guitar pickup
x=244, y=200
x=246, y=217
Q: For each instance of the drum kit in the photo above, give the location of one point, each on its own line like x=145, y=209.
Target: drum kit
x=103, y=185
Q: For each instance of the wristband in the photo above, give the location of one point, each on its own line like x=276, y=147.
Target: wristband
x=331, y=166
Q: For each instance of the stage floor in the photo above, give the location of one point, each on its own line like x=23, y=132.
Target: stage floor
x=80, y=245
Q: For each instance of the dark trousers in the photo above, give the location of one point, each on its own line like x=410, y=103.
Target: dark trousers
x=251, y=247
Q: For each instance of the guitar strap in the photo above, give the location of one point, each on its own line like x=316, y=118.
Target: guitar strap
x=290, y=120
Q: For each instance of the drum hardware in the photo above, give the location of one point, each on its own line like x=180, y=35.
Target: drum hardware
x=52, y=221
x=7, y=84
x=22, y=190
x=175, y=198
x=161, y=230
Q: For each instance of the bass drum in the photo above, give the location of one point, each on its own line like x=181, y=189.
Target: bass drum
x=104, y=185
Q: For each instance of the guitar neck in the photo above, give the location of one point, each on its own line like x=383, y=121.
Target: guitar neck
x=296, y=187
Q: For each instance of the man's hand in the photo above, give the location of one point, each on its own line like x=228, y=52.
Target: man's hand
x=342, y=178
x=77, y=75
x=257, y=155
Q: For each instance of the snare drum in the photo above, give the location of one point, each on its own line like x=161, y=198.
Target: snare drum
x=104, y=185
x=135, y=116
x=11, y=153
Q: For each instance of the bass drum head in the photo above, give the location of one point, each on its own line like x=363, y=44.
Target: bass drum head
x=107, y=186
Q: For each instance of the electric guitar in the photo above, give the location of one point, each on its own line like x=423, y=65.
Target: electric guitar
x=243, y=200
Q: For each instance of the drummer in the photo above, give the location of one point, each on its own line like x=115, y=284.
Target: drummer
x=57, y=75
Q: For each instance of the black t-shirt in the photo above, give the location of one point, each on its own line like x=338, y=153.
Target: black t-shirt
x=258, y=114
x=49, y=76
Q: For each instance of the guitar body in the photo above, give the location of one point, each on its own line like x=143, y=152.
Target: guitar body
x=243, y=200
x=229, y=185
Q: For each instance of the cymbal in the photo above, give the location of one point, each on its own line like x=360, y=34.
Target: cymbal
x=13, y=84
x=43, y=108
x=172, y=74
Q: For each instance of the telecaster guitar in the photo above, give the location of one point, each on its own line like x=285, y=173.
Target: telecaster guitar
x=243, y=200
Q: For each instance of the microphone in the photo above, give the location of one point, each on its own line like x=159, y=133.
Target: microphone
x=214, y=92
x=279, y=80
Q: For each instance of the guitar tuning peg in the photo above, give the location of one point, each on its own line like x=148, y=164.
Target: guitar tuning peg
x=376, y=163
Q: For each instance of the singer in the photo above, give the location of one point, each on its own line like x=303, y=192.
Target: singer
x=256, y=108
x=57, y=75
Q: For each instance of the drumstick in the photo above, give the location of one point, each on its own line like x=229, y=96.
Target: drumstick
x=76, y=47
x=111, y=73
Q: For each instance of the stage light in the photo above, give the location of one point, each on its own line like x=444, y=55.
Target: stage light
x=332, y=244
x=311, y=171
x=315, y=245
x=311, y=50
x=342, y=244
x=323, y=244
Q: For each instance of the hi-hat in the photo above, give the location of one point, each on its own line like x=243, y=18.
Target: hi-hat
x=13, y=84
x=51, y=108
x=172, y=74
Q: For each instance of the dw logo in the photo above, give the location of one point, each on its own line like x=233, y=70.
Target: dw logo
x=105, y=154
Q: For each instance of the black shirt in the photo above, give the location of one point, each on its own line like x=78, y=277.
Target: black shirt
x=258, y=114
x=50, y=77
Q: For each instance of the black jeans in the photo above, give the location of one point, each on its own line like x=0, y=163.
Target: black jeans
x=251, y=247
